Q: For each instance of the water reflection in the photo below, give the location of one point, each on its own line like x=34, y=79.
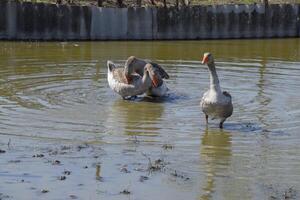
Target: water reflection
x=59, y=91
x=138, y=118
x=262, y=97
x=216, y=153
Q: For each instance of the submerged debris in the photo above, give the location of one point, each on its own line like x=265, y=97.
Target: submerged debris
x=56, y=162
x=98, y=172
x=3, y=196
x=14, y=161
x=79, y=147
x=158, y=164
x=125, y=191
x=182, y=176
x=66, y=172
x=139, y=169
x=290, y=193
x=251, y=127
x=143, y=178
x=72, y=196
x=60, y=150
x=53, y=152
x=38, y=155
x=266, y=131
x=124, y=169
x=62, y=178
x=277, y=192
x=136, y=141
x=8, y=143
x=63, y=148
x=44, y=191
x=167, y=146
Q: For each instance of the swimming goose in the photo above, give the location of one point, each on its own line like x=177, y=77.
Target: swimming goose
x=215, y=103
x=157, y=74
x=117, y=81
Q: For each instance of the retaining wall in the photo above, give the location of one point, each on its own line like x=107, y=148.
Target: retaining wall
x=28, y=21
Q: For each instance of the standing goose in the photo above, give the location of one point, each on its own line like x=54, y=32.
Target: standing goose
x=215, y=103
x=157, y=74
x=117, y=81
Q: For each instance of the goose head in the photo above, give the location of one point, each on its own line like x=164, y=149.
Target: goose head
x=148, y=70
x=153, y=74
x=146, y=77
x=207, y=59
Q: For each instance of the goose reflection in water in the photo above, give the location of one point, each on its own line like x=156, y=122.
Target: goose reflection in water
x=137, y=118
x=216, y=154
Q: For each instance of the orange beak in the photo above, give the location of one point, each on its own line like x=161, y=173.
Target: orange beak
x=129, y=79
x=155, y=81
x=205, y=59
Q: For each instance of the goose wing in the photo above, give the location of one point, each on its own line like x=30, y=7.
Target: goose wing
x=160, y=70
x=117, y=73
x=138, y=65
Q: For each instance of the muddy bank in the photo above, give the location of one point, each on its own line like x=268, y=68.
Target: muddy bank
x=82, y=170
x=28, y=21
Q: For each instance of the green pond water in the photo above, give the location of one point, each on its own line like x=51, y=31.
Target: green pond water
x=55, y=94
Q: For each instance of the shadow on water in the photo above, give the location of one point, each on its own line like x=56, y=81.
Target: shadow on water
x=216, y=153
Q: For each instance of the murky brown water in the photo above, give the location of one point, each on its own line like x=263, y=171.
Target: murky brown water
x=56, y=94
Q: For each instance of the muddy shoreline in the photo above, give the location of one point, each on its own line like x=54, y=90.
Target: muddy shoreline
x=61, y=170
x=67, y=170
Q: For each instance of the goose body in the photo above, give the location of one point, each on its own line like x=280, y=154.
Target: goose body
x=118, y=82
x=215, y=103
x=156, y=72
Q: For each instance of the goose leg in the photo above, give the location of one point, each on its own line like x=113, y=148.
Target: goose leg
x=133, y=97
x=130, y=98
x=221, y=123
x=206, y=119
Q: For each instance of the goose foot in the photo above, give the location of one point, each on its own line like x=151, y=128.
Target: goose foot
x=221, y=123
x=130, y=98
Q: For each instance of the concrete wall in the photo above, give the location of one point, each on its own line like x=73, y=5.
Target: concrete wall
x=27, y=21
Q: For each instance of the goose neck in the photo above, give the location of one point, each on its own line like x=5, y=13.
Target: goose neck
x=214, y=80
